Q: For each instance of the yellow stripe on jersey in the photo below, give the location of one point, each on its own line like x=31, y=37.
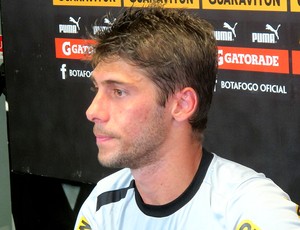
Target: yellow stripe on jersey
x=247, y=225
x=83, y=224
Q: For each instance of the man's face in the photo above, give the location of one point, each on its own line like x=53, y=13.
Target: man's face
x=130, y=127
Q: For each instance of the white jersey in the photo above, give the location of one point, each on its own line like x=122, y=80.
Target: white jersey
x=223, y=195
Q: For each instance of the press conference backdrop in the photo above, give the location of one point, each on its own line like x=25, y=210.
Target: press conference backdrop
x=255, y=116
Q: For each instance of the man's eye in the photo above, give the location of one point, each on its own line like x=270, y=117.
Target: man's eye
x=119, y=93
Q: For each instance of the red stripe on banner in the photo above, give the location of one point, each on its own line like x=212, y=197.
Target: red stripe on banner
x=253, y=59
x=73, y=48
x=296, y=61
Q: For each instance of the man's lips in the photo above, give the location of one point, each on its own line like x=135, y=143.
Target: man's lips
x=102, y=138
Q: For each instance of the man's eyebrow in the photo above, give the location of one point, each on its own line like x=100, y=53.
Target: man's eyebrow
x=109, y=81
x=115, y=82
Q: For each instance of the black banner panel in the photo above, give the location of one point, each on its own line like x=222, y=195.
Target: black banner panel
x=255, y=116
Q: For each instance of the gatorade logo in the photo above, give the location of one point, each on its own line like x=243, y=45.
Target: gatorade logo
x=113, y=3
x=247, y=225
x=254, y=5
x=186, y=4
x=73, y=48
x=250, y=59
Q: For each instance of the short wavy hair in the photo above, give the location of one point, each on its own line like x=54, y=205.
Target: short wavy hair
x=174, y=48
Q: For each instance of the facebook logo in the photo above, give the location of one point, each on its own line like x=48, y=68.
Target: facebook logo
x=63, y=71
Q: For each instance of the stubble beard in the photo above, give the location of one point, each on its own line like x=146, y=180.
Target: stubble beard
x=141, y=151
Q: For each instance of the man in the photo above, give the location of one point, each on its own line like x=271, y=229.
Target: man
x=154, y=74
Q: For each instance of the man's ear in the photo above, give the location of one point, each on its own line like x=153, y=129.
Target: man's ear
x=185, y=103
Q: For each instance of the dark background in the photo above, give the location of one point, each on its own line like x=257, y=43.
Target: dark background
x=51, y=141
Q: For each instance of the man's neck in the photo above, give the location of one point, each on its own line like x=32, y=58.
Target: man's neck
x=166, y=179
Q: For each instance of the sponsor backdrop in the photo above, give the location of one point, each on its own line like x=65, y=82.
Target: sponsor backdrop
x=255, y=118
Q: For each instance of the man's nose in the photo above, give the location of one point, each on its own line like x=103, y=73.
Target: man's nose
x=98, y=109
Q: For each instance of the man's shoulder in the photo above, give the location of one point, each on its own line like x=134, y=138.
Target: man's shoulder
x=225, y=176
x=224, y=167
x=241, y=195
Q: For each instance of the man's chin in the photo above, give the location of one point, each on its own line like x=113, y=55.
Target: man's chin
x=109, y=163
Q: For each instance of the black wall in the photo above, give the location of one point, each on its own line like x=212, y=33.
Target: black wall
x=51, y=141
